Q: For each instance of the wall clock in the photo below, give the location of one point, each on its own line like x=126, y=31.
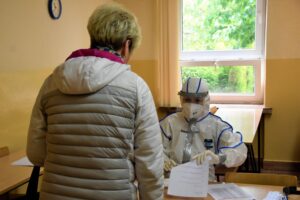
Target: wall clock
x=54, y=8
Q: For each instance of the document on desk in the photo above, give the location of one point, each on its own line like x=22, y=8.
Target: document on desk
x=274, y=195
x=22, y=162
x=189, y=180
x=228, y=191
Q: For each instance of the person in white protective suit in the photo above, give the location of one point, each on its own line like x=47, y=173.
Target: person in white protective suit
x=195, y=133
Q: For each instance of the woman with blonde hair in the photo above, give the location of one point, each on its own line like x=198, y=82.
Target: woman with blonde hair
x=94, y=126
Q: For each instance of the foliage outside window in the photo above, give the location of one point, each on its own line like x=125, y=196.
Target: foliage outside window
x=224, y=79
x=218, y=24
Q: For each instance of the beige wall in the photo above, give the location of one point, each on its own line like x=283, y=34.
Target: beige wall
x=32, y=44
x=282, y=129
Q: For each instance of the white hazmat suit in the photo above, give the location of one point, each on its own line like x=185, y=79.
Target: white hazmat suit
x=195, y=133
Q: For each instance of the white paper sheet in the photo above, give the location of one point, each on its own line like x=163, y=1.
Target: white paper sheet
x=22, y=162
x=189, y=180
x=228, y=191
x=274, y=195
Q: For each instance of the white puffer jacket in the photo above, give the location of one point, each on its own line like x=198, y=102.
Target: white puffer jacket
x=95, y=130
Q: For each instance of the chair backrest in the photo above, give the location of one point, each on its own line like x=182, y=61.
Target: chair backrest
x=261, y=178
x=4, y=151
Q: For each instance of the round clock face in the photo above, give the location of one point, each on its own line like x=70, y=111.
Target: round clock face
x=55, y=8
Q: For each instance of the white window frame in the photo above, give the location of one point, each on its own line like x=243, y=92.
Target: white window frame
x=255, y=58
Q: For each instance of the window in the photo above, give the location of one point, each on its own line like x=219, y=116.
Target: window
x=223, y=42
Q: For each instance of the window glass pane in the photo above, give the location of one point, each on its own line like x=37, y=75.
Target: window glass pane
x=224, y=79
x=218, y=24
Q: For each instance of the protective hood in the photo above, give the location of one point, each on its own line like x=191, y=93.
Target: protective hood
x=86, y=74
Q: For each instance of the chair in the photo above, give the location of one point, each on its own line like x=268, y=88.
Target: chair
x=261, y=178
x=221, y=170
x=4, y=151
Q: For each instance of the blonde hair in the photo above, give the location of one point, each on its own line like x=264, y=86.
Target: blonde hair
x=110, y=25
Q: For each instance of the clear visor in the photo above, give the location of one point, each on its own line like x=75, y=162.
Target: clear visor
x=193, y=99
x=199, y=95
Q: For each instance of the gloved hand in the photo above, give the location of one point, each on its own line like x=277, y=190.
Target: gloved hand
x=169, y=164
x=206, y=155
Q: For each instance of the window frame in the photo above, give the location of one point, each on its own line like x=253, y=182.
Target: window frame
x=252, y=57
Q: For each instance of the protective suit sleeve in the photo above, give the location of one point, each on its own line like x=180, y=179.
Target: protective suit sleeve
x=36, y=138
x=166, y=137
x=148, y=149
x=231, y=145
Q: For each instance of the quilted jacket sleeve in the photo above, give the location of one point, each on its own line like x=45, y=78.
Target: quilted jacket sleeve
x=148, y=146
x=36, y=138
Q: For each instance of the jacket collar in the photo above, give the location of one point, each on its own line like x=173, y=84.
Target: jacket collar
x=96, y=53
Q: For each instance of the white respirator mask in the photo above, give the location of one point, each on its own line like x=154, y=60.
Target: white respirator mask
x=192, y=110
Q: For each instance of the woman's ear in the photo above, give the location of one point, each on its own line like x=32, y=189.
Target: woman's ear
x=125, y=51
